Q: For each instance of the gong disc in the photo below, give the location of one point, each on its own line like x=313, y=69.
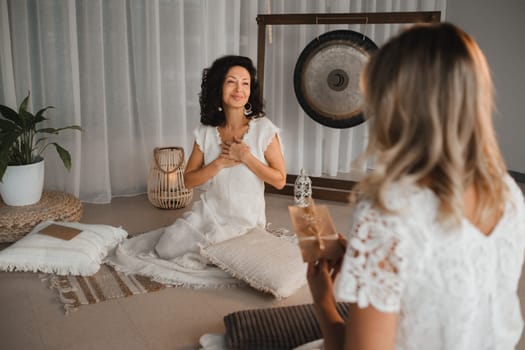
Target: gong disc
x=326, y=77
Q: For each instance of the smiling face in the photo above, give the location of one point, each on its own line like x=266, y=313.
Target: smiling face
x=236, y=87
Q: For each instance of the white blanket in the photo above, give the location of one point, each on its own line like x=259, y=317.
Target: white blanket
x=137, y=256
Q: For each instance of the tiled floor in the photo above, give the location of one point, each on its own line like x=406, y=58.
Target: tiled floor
x=32, y=318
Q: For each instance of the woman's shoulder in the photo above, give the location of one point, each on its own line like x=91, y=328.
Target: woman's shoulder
x=401, y=198
x=205, y=134
x=408, y=209
x=514, y=189
x=201, y=130
x=263, y=128
x=515, y=201
x=263, y=123
x=202, y=127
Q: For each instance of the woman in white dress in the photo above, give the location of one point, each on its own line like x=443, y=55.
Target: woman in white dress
x=437, y=239
x=236, y=151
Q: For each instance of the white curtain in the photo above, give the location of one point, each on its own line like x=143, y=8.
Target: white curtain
x=128, y=71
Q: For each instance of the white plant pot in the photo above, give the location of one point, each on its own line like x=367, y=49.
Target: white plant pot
x=22, y=184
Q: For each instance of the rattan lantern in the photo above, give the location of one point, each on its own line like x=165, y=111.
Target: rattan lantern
x=166, y=187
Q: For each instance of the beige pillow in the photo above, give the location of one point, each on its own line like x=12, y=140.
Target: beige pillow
x=264, y=261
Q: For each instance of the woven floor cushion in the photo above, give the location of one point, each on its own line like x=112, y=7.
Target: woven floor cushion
x=17, y=221
x=275, y=328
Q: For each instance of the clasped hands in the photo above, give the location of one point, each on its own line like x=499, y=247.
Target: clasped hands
x=233, y=153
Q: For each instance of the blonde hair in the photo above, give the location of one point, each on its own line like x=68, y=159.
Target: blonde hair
x=429, y=96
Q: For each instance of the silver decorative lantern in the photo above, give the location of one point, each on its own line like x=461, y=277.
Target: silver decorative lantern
x=302, y=190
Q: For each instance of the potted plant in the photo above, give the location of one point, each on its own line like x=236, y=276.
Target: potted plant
x=21, y=147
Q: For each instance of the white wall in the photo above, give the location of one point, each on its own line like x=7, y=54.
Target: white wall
x=499, y=28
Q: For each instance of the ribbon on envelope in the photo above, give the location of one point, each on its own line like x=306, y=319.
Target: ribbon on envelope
x=313, y=223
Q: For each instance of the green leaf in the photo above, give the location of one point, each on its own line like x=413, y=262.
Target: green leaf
x=6, y=142
x=56, y=131
x=64, y=155
x=3, y=165
x=5, y=150
x=7, y=126
x=28, y=119
x=72, y=127
x=22, y=111
x=39, y=116
x=48, y=131
x=10, y=114
x=23, y=105
x=39, y=141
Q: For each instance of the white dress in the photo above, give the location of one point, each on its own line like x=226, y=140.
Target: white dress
x=233, y=201
x=453, y=288
x=232, y=204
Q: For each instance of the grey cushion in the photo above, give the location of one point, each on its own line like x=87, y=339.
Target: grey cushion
x=275, y=328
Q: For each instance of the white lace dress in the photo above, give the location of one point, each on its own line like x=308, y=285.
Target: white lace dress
x=453, y=288
x=233, y=201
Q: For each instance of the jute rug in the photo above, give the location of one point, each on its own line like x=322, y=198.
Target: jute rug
x=106, y=284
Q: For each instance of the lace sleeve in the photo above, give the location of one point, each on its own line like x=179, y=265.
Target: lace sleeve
x=372, y=268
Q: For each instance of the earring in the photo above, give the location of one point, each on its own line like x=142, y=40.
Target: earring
x=248, y=109
x=220, y=109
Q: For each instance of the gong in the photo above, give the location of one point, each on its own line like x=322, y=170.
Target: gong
x=327, y=74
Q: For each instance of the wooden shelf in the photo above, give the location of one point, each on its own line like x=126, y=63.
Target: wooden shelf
x=327, y=188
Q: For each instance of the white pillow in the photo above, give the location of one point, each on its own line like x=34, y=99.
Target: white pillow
x=81, y=255
x=267, y=263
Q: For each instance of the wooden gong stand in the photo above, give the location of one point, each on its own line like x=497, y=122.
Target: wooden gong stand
x=328, y=188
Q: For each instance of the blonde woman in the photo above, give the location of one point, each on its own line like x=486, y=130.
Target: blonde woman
x=436, y=245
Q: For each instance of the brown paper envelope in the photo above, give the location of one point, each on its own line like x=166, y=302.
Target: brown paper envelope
x=59, y=231
x=309, y=220
x=333, y=250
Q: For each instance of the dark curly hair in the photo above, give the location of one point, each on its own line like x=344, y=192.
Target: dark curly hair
x=210, y=97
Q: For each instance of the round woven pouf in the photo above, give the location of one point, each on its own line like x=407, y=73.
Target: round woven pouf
x=15, y=222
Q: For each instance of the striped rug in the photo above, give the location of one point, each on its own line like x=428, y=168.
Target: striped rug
x=106, y=284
